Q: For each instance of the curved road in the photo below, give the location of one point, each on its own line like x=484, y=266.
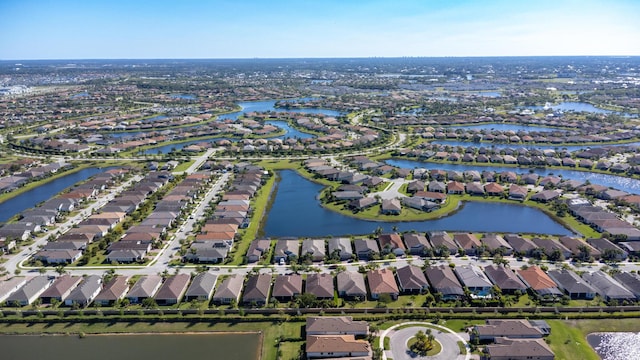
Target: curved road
x=445, y=336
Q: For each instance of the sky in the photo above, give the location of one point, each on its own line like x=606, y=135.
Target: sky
x=144, y=29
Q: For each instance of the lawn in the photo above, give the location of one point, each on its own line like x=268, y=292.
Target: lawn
x=569, y=343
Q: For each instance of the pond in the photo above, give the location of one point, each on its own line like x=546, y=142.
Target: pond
x=617, y=182
x=297, y=212
x=527, y=146
x=579, y=107
x=507, y=127
x=290, y=131
x=269, y=105
x=29, y=199
x=615, y=345
x=132, y=347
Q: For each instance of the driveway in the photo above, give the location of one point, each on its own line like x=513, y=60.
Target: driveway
x=445, y=336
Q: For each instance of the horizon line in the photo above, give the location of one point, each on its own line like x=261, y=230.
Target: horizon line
x=327, y=58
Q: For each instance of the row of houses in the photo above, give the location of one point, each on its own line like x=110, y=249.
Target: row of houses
x=70, y=246
x=218, y=233
x=335, y=337
x=602, y=220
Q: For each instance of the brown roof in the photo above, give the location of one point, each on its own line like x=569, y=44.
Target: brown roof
x=174, y=287
x=287, y=285
x=336, y=343
x=536, y=278
x=382, y=281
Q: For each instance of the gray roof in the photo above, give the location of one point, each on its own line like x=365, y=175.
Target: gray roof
x=342, y=244
x=472, y=276
x=504, y=278
x=443, y=280
x=173, y=288
x=607, y=287
x=145, y=287
x=202, y=285
x=351, y=284
x=411, y=278
x=33, y=287
x=629, y=280
x=87, y=289
x=114, y=289
x=570, y=282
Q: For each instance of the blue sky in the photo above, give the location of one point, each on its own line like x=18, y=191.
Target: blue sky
x=81, y=29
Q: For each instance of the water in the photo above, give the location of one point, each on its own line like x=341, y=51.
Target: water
x=29, y=199
x=616, y=345
x=80, y=95
x=155, y=118
x=165, y=149
x=507, y=127
x=527, y=146
x=183, y=96
x=617, y=182
x=580, y=107
x=291, y=132
x=297, y=212
x=132, y=347
x=268, y=105
x=490, y=94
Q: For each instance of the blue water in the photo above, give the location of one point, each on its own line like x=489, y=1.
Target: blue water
x=579, y=107
x=491, y=94
x=80, y=95
x=617, y=182
x=183, y=96
x=268, y=105
x=507, y=127
x=297, y=212
x=29, y=199
x=165, y=149
x=527, y=146
x=291, y=132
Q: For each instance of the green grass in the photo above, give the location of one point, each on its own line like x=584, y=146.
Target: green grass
x=569, y=343
x=183, y=166
x=436, y=349
x=290, y=349
x=462, y=348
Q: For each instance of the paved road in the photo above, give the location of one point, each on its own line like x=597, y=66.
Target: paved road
x=446, y=337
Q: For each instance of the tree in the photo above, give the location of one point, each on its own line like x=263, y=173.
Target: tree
x=423, y=342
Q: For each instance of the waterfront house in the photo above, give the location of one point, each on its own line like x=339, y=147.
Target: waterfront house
x=440, y=241
x=496, y=244
x=505, y=279
x=201, y=287
x=314, y=249
x=286, y=249
x=521, y=246
x=580, y=247
x=518, y=349
x=417, y=244
x=444, y=281
x=144, y=288
x=60, y=289
x=229, y=290
x=411, y=280
x=113, y=291
x=390, y=207
x=366, y=248
x=516, y=329
x=391, y=243
x=9, y=286
x=256, y=290
x=469, y=242
x=341, y=247
x=257, y=250
x=286, y=287
x=606, y=247
x=85, y=292
x=351, y=285
x=172, y=289
x=551, y=247
x=382, y=281
x=30, y=291
x=631, y=281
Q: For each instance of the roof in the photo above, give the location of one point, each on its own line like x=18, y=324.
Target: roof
x=174, y=287
x=61, y=286
x=607, y=287
x=393, y=241
x=320, y=285
x=411, y=277
x=114, y=289
x=382, y=281
x=443, y=280
x=519, y=348
x=336, y=344
x=467, y=240
x=472, y=276
x=31, y=288
x=230, y=287
x=504, y=278
x=515, y=328
x=202, y=285
x=351, y=283
x=536, y=279
x=571, y=282
x=257, y=288
x=146, y=286
x=332, y=324
x=287, y=285
x=87, y=289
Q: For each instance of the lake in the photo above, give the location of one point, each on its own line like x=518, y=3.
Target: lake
x=507, y=127
x=30, y=198
x=616, y=345
x=268, y=105
x=296, y=212
x=290, y=131
x=132, y=347
x=527, y=146
x=618, y=182
x=579, y=107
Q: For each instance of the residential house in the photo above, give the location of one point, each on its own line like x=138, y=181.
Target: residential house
x=351, y=285
x=540, y=283
x=144, y=288
x=521, y=246
x=441, y=241
x=391, y=207
x=84, y=293
x=382, y=281
x=30, y=291
x=60, y=289
x=113, y=291
x=286, y=249
x=505, y=279
x=572, y=284
x=201, y=287
x=552, y=248
x=580, y=248
x=257, y=250
x=336, y=325
x=608, y=250
x=9, y=286
x=256, y=290
x=444, y=281
x=366, y=249
x=631, y=281
x=469, y=242
x=417, y=244
x=607, y=287
x=173, y=289
x=337, y=346
x=496, y=244
x=391, y=243
x=286, y=287
x=411, y=280
x=513, y=328
x=474, y=279
x=518, y=349
x=340, y=248
x=228, y=292
x=319, y=285
x=314, y=249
